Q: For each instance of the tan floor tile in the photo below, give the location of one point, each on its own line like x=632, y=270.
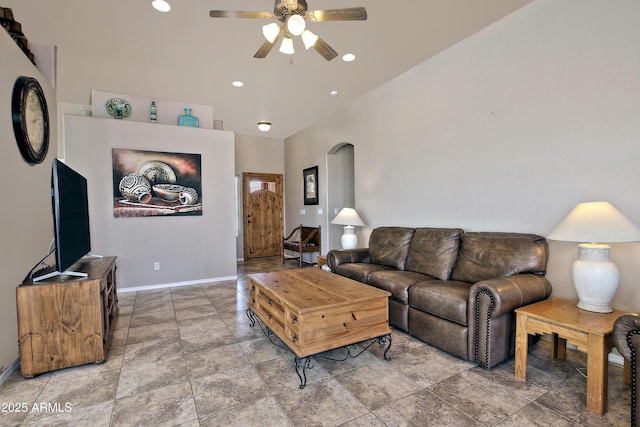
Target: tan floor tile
x=188, y=357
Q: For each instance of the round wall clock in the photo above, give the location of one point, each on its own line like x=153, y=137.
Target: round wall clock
x=30, y=119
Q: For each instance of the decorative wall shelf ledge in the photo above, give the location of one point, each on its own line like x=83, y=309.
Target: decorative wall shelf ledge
x=168, y=111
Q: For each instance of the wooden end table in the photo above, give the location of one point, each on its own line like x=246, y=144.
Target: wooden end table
x=321, y=260
x=564, y=321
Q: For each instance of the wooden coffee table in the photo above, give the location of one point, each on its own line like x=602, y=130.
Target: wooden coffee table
x=312, y=311
x=588, y=331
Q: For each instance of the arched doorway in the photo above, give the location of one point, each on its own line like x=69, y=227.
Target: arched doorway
x=340, y=188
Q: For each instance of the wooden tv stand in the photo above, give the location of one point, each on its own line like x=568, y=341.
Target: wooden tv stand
x=65, y=321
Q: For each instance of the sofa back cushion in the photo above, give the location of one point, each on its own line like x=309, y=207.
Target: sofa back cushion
x=433, y=251
x=390, y=245
x=490, y=255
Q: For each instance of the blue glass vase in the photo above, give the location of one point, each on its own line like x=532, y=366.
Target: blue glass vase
x=187, y=119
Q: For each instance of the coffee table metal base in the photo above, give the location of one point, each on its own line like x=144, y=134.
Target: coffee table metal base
x=303, y=363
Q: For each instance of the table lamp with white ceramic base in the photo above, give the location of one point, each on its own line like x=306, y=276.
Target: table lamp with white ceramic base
x=595, y=276
x=350, y=219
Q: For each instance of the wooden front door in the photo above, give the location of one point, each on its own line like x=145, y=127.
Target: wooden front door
x=262, y=205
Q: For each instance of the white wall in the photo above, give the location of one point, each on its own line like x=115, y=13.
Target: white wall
x=506, y=131
x=26, y=223
x=189, y=248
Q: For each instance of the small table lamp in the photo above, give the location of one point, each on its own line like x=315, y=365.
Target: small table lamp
x=349, y=218
x=595, y=277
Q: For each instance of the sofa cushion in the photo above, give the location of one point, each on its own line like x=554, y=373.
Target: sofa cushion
x=490, y=255
x=397, y=282
x=390, y=246
x=448, y=336
x=433, y=251
x=446, y=299
x=359, y=271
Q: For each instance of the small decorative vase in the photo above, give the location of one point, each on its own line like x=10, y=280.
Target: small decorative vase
x=135, y=188
x=187, y=119
x=153, y=116
x=188, y=196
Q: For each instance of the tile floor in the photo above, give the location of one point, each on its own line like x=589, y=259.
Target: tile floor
x=186, y=356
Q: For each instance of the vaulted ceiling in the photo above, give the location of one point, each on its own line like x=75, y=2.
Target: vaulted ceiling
x=126, y=46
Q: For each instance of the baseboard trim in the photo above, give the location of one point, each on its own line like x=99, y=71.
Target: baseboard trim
x=10, y=369
x=175, y=284
x=616, y=358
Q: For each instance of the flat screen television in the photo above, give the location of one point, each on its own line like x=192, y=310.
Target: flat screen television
x=70, y=206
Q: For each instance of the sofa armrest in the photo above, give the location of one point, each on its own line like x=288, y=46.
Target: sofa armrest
x=491, y=317
x=336, y=257
x=626, y=337
x=509, y=293
x=624, y=328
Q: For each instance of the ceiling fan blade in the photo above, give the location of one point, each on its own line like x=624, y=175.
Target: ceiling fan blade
x=324, y=49
x=266, y=47
x=240, y=14
x=348, y=14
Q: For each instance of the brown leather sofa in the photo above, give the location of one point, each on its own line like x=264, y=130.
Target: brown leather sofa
x=454, y=290
x=626, y=337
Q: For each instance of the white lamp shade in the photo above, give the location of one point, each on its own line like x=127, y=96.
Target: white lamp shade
x=347, y=216
x=271, y=31
x=287, y=46
x=295, y=25
x=308, y=38
x=596, y=222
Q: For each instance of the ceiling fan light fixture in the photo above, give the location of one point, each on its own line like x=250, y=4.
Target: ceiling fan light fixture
x=308, y=38
x=161, y=5
x=271, y=31
x=287, y=46
x=264, y=126
x=295, y=25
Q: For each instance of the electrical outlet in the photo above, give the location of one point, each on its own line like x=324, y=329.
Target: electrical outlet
x=156, y=265
x=319, y=211
x=303, y=211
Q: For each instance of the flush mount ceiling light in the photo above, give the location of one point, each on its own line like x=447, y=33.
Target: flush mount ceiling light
x=237, y=83
x=264, y=126
x=161, y=5
x=348, y=57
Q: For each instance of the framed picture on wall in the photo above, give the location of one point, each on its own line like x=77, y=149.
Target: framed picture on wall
x=156, y=183
x=310, y=185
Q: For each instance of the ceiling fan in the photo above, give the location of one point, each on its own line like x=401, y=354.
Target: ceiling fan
x=292, y=15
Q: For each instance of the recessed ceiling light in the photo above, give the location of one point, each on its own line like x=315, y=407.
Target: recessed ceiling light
x=333, y=93
x=238, y=83
x=161, y=5
x=348, y=57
